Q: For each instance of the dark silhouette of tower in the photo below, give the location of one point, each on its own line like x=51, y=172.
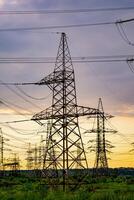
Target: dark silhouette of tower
x=15, y=164
x=35, y=157
x=63, y=128
x=1, y=149
x=40, y=153
x=101, y=161
x=29, y=157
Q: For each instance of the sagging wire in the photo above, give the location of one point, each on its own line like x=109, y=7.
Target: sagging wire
x=27, y=131
x=10, y=105
x=16, y=121
x=122, y=135
x=19, y=95
x=14, y=137
x=19, y=132
x=119, y=25
x=35, y=98
x=10, y=145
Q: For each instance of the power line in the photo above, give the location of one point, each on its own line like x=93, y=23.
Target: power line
x=125, y=21
x=34, y=98
x=123, y=33
x=5, y=102
x=63, y=11
x=18, y=132
x=14, y=137
x=10, y=145
x=65, y=26
x=74, y=61
x=16, y=121
x=47, y=62
x=97, y=60
x=73, y=57
x=55, y=27
x=81, y=59
x=15, y=92
x=26, y=130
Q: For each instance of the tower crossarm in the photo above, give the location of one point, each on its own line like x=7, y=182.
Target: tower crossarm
x=77, y=111
x=55, y=77
x=86, y=111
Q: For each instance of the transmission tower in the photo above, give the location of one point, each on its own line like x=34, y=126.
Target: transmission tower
x=132, y=150
x=78, y=152
x=1, y=148
x=64, y=132
x=101, y=161
x=29, y=157
x=35, y=157
x=40, y=152
x=15, y=164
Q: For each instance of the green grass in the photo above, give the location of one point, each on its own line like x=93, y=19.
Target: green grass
x=21, y=188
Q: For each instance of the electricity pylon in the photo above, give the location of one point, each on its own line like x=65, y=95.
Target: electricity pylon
x=40, y=152
x=29, y=157
x=1, y=148
x=35, y=157
x=64, y=132
x=101, y=161
x=132, y=150
x=15, y=163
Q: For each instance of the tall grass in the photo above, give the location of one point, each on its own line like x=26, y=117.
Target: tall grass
x=23, y=189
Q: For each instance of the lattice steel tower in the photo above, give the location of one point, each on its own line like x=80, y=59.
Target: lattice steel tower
x=29, y=157
x=1, y=149
x=64, y=135
x=101, y=161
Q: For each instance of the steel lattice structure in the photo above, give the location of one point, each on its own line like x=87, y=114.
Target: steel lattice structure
x=64, y=137
x=101, y=161
x=1, y=148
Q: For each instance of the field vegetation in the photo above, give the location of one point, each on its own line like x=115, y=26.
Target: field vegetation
x=31, y=188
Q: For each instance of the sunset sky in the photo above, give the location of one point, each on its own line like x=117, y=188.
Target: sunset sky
x=113, y=82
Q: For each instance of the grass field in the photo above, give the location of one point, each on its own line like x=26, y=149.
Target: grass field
x=22, y=188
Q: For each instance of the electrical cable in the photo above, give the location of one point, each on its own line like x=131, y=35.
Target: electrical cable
x=16, y=121
x=12, y=90
x=63, y=11
x=65, y=26
x=55, y=27
x=5, y=102
x=50, y=58
x=26, y=130
x=19, y=132
x=35, y=98
x=10, y=145
x=14, y=137
x=36, y=83
x=26, y=100
x=123, y=34
x=82, y=59
x=74, y=61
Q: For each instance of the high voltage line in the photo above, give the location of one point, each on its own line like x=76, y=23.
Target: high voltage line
x=66, y=26
x=82, y=59
x=63, y=11
x=73, y=57
x=55, y=27
x=16, y=121
x=74, y=61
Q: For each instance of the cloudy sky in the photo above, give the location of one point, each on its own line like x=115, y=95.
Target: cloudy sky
x=113, y=82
